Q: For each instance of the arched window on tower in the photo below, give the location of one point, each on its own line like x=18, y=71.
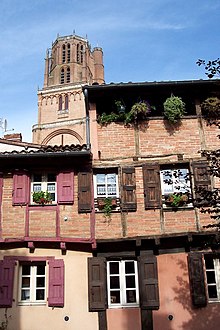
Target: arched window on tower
x=81, y=54
x=60, y=103
x=68, y=75
x=62, y=74
x=77, y=53
x=64, y=53
x=66, y=102
x=68, y=53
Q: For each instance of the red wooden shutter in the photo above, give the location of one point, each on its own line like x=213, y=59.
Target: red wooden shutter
x=152, y=191
x=6, y=282
x=84, y=192
x=97, y=284
x=65, y=187
x=148, y=282
x=128, y=201
x=56, y=283
x=21, y=189
x=197, y=279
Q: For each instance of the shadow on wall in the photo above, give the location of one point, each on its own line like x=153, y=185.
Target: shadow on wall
x=198, y=318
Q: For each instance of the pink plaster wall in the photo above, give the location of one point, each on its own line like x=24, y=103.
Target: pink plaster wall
x=123, y=319
x=175, y=299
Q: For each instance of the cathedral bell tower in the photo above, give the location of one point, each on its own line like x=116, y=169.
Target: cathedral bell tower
x=69, y=65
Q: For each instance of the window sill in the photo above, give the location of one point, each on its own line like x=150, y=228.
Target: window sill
x=42, y=303
x=124, y=306
x=177, y=208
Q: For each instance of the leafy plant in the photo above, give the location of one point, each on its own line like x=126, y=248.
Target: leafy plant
x=177, y=199
x=211, y=108
x=139, y=111
x=174, y=108
x=107, y=205
x=42, y=197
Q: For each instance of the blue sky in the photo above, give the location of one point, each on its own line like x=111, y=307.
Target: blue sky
x=142, y=40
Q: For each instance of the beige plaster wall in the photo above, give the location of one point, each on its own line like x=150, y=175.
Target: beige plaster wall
x=76, y=297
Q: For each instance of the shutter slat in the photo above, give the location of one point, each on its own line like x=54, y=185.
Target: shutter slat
x=20, y=189
x=6, y=282
x=128, y=200
x=201, y=175
x=84, y=192
x=97, y=284
x=148, y=281
x=197, y=279
x=65, y=183
x=152, y=191
x=56, y=283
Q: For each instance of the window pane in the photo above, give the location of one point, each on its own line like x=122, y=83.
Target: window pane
x=209, y=263
x=130, y=281
x=51, y=177
x=100, y=178
x=26, y=270
x=211, y=277
x=40, y=270
x=129, y=267
x=111, y=178
x=25, y=294
x=114, y=282
x=115, y=297
x=37, y=177
x=167, y=181
x=40, y=294
x=131, y=296
x=212, y=291
x=40, y=282
x=101, y=190
x=36, y=187
x=25, y=282
x=114, y=268
x=51, y=187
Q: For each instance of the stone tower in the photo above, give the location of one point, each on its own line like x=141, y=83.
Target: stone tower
x=70, y=64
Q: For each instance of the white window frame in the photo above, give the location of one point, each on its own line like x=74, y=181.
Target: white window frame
x=106, y=195
x=44, y=185
x=216, y=270
x=122, y=283
x=33, y=287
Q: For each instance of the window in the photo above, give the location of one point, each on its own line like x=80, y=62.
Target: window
x=122, y=282
x=44, y=182
x=175, y=180
x=32, y=287
x=60, y=103
x=79, y=53
x=68, y=53
x=66, y=103
x=63, y=53
x=106, y=185
x=65, y=75
x=212, y=277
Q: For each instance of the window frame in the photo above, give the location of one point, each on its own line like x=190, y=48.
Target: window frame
x=33, y=287
x=216, y=269
x=173, y=190
x=122, y=284
x=106, y=195
x=44, y=185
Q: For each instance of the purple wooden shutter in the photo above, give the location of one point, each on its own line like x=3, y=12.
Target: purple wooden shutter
x=152, y=191
x=128, y=202
x=197, y=279
x=56, y=283
x=6, y=282
x=148, y=282
x=84, y=192
x=21, y=189
x=97, y=284
x=65, y=187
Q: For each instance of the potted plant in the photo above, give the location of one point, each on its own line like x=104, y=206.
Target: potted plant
x=211, y=108
x=107, y=205
x=176, y=199
x=42, y=197
x=139, y=111
x=174, y=108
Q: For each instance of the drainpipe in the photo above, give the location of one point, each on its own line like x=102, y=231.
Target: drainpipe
x=85, y=91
